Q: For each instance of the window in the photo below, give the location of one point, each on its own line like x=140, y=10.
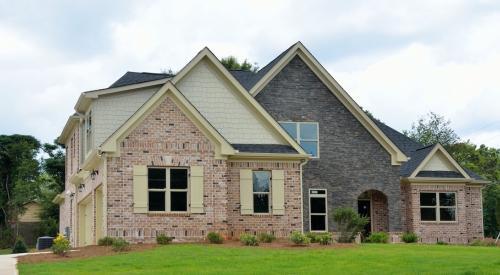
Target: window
x=317, y=210
x=261, y=189
x=168, y=189
x=306, y=134
x=88, y=132
x=440, y=206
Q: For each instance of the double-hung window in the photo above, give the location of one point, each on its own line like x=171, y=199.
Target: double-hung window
x=88, y=132
x=261, y=191
x=306, y=134
x=438, y=206
x=168, y=189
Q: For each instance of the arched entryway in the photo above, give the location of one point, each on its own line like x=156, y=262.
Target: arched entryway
x=373, y=204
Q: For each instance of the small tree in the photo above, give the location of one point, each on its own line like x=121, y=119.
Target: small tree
x=349, y=223
x=433, y=129
x=232, y=63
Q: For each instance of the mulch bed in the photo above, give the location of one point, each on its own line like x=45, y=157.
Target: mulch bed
x=94, y=250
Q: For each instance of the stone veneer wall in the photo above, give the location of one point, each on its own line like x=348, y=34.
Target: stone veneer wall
x=468, y=225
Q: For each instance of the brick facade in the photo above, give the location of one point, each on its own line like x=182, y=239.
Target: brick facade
x=468, y=225
x=168, y=138
x=351, y=161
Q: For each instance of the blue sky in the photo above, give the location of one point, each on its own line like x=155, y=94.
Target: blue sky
x=398, y=59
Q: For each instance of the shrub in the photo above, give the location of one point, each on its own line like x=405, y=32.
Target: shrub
x=441, y=243
x=476, y=243
x=324, y=238
x=61, y=245
x=7, y=238
x=163, y=239
x=248, y=239
x=19, y=246
x=378, y=237
x=266, y=237
x=214, y=237
x=299, y=238
x=410, y=237
x=106, y=241
x=349, y=223
x=120, y=245
x=313, y=237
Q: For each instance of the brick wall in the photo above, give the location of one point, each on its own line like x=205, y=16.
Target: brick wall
x=351, y=160
x=380, y=212
x=281, y=226
x=468, y=225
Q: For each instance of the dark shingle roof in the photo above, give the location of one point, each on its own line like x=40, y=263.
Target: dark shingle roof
x=265, y=148
x=249, y=79
x=130, y=78
x=404, y=143
x=416, y=157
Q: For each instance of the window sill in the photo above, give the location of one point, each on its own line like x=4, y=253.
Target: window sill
x=169, y=214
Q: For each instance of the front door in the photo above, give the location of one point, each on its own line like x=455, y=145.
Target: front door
x=364, y=209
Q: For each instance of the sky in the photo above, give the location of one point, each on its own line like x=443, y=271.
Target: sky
x=398, y=59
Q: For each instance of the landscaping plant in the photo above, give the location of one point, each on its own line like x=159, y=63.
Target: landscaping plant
x=324, y=238
x=349, y=223
x=313, y=237
x=266, y=237
x=299, y=238
x=106, y=241
x=378, y=237
x=410, y=237
x=248, y=239
x=19, y=246
x=61, y=245
x=214, y=237
x=163, y=239
x=120, y=245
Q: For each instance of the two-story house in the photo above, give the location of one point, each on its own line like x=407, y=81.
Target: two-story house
x=209, y=149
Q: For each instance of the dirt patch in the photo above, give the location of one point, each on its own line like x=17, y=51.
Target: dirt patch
x=83, y=252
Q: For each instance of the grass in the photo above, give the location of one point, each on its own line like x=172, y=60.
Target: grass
x=213, y=259
x=5, y=251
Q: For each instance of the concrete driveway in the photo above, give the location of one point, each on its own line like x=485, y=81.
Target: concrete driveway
x=8, y=264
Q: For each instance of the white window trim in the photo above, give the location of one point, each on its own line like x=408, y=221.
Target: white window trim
x=437, y=208
x=167, y=190
x=325, y=196
x=299, y=139
x=269, y=194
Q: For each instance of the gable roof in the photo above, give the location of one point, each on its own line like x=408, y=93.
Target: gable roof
x=222, y=146
x=272, y=69
x=254, y=106
x=130, y=78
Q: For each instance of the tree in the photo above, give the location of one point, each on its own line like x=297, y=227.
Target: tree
x=231, y=63
x=432, y=129
x=19, y=170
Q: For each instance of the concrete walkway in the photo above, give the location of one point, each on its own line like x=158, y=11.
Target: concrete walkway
x=8, y=264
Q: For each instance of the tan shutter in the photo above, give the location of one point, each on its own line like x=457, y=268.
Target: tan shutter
x=196, y=180
x=246, y=192
x=140, y=182
x=278, y=192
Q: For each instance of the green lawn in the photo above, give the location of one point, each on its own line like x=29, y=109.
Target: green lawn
x=5, y=251
x=213, y=259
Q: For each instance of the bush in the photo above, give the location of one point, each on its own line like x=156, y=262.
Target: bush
x=349, y=223
x=378, y=237
x=324, y=238
x=410, y=237
x=61, y=245
x=106, y=241
x=313, y=237
x=7, y=238
x=19, y=246
x=248, y=239
x=163, y=239
x=441, y=243
x=266, y=237
x=299, y=238
x=120, y=245
x=214, y=237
